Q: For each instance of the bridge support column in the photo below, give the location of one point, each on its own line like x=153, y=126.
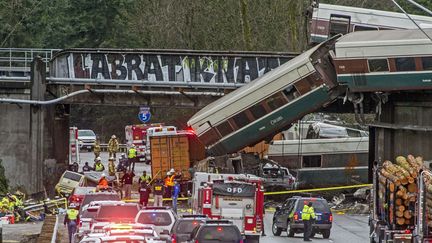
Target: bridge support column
x=49, y=134
x=37, y=117
x=34, y=138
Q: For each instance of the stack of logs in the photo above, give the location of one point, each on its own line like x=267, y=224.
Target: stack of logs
x=428, y=186
x=403, y=186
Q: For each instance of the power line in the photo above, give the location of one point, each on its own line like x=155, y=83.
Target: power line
x=420, y=6
x=394, y=1
x=35, y=5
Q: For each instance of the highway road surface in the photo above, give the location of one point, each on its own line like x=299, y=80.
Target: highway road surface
x=346, y=228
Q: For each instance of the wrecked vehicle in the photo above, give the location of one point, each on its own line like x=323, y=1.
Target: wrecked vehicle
x=275, y=175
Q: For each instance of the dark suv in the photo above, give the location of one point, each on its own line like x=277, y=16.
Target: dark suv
x=222, y=231
x=288, y=217
x=183, y=227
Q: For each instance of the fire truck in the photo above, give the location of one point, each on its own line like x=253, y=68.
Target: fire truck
x=137, y=135
x=236, y=198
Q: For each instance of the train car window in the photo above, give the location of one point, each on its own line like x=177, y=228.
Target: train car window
x=339, y=24
x=258, y=111
x=311, y=161
x=427, y=63
x=224, y=128
x=378, y=65
x=241, y=119
x=364, y=28
x=291, y=93
x=405, y=64
x=275, y=101
x=303, y=86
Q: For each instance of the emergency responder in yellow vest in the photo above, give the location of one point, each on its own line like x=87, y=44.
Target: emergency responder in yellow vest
x=308, y=215
x=113, y=146
x=14, y=205
x=96, y=149
x=144, y=178
x=169, y=182
x=71, y=220
x=6, y=205
x=132, y=154
x=98, y=165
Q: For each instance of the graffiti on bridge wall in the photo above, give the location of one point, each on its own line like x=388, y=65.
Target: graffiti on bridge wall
x=152, y=67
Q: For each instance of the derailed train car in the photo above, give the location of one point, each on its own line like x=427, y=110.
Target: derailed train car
x=270, y=104
x=388, y=60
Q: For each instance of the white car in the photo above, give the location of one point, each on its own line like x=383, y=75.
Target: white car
x=117, y=238
x=85, y=221
x=124, y=231
x=86, y=139
x=131, y=229
x=87, y=214
x=114, y=213
x=163, y=218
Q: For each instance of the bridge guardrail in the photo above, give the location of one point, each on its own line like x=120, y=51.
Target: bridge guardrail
x=17, y=61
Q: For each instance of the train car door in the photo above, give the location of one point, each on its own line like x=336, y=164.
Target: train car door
x=339, y=24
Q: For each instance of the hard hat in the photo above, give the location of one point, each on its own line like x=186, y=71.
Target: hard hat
x=102, y=175
x=133, y=145
x=111, y=158
x=172, y=170
x=168, y=173
x=98, y=159
x=113, y=136
x=72, y=205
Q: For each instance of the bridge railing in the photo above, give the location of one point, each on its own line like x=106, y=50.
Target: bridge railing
x=16, y=62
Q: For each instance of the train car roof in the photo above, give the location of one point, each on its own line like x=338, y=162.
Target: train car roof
x=364, y=44
x=250, y=87
x=371, y=12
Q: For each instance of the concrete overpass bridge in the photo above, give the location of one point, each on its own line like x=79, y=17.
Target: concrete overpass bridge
x=110, y=76
x=37, y=88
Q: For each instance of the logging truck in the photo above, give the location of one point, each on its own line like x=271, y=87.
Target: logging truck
x=402, y=206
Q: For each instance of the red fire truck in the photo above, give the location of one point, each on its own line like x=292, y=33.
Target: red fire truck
x=137, y=135
x=238, y=200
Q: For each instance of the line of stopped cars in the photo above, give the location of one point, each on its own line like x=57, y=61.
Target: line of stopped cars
x=103, y=217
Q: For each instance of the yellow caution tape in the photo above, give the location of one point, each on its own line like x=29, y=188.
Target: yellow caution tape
x=273, y=193
x=318, y=189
